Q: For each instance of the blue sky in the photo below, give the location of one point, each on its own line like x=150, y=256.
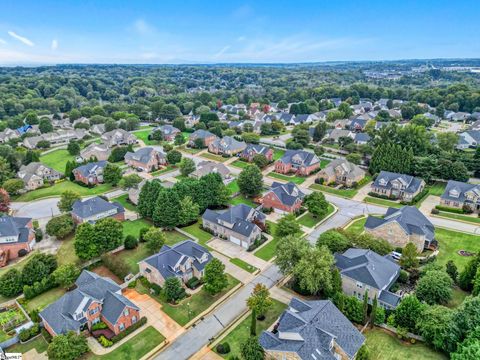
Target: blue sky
x=184, y=31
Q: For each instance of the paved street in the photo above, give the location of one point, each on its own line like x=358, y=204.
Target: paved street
x=197, y=337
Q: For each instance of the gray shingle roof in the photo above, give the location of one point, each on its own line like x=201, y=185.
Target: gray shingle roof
x=201, y=134
x=143, y=155
x=385, y=178
x=455, y=190
x=229, y=143
x=288, y=193
x=15, y=227
x=317, y=324
x=94, y=206
x=252, y=150
x=299, y=157
x=238, y=215
x=91, y=168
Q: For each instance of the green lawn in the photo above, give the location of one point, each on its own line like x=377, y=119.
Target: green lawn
x=356, y=226
x=382, y=202
x=196, y=231
x=57, y=159
x=164, y=170
x=239, y=335
x=436, y=189
x=66, y=252
x=268, y=251
x=189, y=150
x=41, y=301
x=133, y=227
x=457, y=299
x=348, y=193
x=295, y=179
x=143, y=135
x=192, y=306
x=240, y=164
x=39, y=343
x=60, y=187
x=125, y=202
x=310, y=221
x=243, y=265
x=384, y=346
x=240, y=199
x=449, y=215
x=277, y=154
x=233, y=187
x=135, y=348
x=324, y=163
x=218, y=158
x=450, y=242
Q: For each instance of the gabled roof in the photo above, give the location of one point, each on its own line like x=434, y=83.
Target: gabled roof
x=93, y=206
x=384, y=180
x=455, y=190
x=239, y=216
x=143, y=155
x=255, y=149
x=91, y=168
x=288, y=193
x=15, y=227
x=207, y=167
x=229, y=143
x=201, y=134
x=305, y=158
x=344, y=167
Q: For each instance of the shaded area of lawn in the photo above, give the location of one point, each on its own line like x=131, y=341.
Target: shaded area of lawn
x=135, y=348
x=39, y=344
x=310, y=221
x=348, y=193
x=164, y=170
x=382, y=202
x=384, y=346
x=189, y=150
x=192, y=306
x=218, y=158
x=437, y=189
x=66, y=252
x=143, y=135
x=41, y=301
x=60, y=187
x=197, y=231
x=57, y=159
x=133, y=227
x=295, y=179
x=239, y=335
x=243, y=265
x=324, y=163
x=450, y=242
x=123, y=200
x=241, y=199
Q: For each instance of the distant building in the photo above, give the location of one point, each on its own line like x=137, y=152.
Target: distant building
x=468, y=139
x=35, y=174
x=206, y=136
x=226, y=146
x=101, y=152
x=58, y=137
x=251, y=150
x=297, y=161
x=207, y=167
x=168, y=132
x=90, y=173
x=458, y=194
x=146, y=158
x=118, y=137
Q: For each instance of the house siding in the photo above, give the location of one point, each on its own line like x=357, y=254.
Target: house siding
x=396, y=236
x=271, y=201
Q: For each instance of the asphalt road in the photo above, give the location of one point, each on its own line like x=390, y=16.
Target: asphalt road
x=197, y=337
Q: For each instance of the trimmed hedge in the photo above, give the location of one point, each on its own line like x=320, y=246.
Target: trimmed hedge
x=39, y=287
x=129, y=330
x=450, y=209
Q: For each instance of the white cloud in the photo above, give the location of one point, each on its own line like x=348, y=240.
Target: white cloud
x=141, y=27
x=22, y=39
x=54, y=45
x=3, y=42
x=222, y=51
x=242, y=38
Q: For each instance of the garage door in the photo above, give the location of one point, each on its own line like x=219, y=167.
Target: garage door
x=235, y=240
x=279, y=211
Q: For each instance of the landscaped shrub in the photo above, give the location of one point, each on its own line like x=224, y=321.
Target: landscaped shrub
x=156, y=288
x=403, y=277
x=38, y=235
x=223, y=348
x=129, y=330
x=104, y=341
x=27, y=334
x=193, y=283
x=435, y=211
x=99, y=326
x=34, y=315
x=142, y=233
x=132, y=284
x=449, y=209
x=39, y=287
x=130, y=242
x=22, y=252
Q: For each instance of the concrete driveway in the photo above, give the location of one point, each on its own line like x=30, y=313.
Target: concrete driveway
x=234, y=270
x=234, y=251
x=152, y=310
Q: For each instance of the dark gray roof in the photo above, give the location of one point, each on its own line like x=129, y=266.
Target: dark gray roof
x=317, y=324
x=367, y=267
x=255, y=149
x=362, y=137
x=409, y=218
x=201, y=134
x=91, y=167
x=389, y=298
x=142, y=155
x=240, y=216
x=229, y=143
x=165, y=260
x=167, y=129
x=15, y=226
x=114, y=304
x=286, y=117
x=357, y=123
x=288, y=193
x=94, y=206
x=384, y=180
x=299, y=157
x=455, y=190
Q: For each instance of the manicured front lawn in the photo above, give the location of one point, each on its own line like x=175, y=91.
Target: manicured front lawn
x=123, y=200
x=197, y=231
x=189, y=150
x=382, y=202
x=218, y=158
x=437, y=189
x=384, y=346
x=135, y=348
x=449, y=215
x=324, y=163
x=43, y=300
x=239, y=335
x=164, y=170
x=233, y=187
x=277, y=154
x=268, y=250
x=143, y=135
x=60, y=187
x=57, y=159
x=39, y=344
x=357, y=226
x=240, y=164
x=295, y=179
x=310, y=221
x=348, y=193
x=450, y=242
x=240, y=199
x=243, y=265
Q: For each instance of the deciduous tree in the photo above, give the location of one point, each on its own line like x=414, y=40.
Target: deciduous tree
x=215, y=278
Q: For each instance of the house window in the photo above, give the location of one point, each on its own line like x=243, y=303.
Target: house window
x=134, y=320
x=148, y=271
x=121, y=327
x=94, y=311
x=126, y=312
x=96, y=320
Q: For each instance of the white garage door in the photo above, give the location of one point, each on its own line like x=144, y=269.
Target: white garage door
x=279, y=211
x=235, y=240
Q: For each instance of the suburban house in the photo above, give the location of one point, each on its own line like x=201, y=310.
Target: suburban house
x=226, y=146
x=397, y=186
x=334, y=135
x=95, y=209
x=35, y=173
x=206, y=136
x=58, y=137
x=147, y=159
x=251, y=150
x=302, y=119
x=361, y=138
x=364, y=270
x=341, y=171
x=458, y=194
x=240, y=224
x=357, y=124
x=94, y=299
x=134, y=192
x=168, y=132
x=98, y=129
x=468, y=139
x=297, y=161
x=118, y=137
x=401, y=226
x=101, y=152
x=184, y=260
x=207, y=167
x=283, y=198
x=312, y=330
x=8, y=134
x=90, y=173
x=17, y=237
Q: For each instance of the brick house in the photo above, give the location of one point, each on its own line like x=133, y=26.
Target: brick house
x=184, y=260
x=101, y=152
x=397, y=186
x=147, y=158
x=118, y=137
x=365, y=270
x=168, y=132
x=95, y=209
x=35, y=173
x=341, y=171
x=401, y=226
x=206, y=136
x=94, y=299
x=207, y=167
x=240, y=224
x=458, y=194
x=283, y=198
x=251, y=150
x=226, y=146
x=310, y=330
x=297, y=161
x=16, y=235
x=91, y=173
